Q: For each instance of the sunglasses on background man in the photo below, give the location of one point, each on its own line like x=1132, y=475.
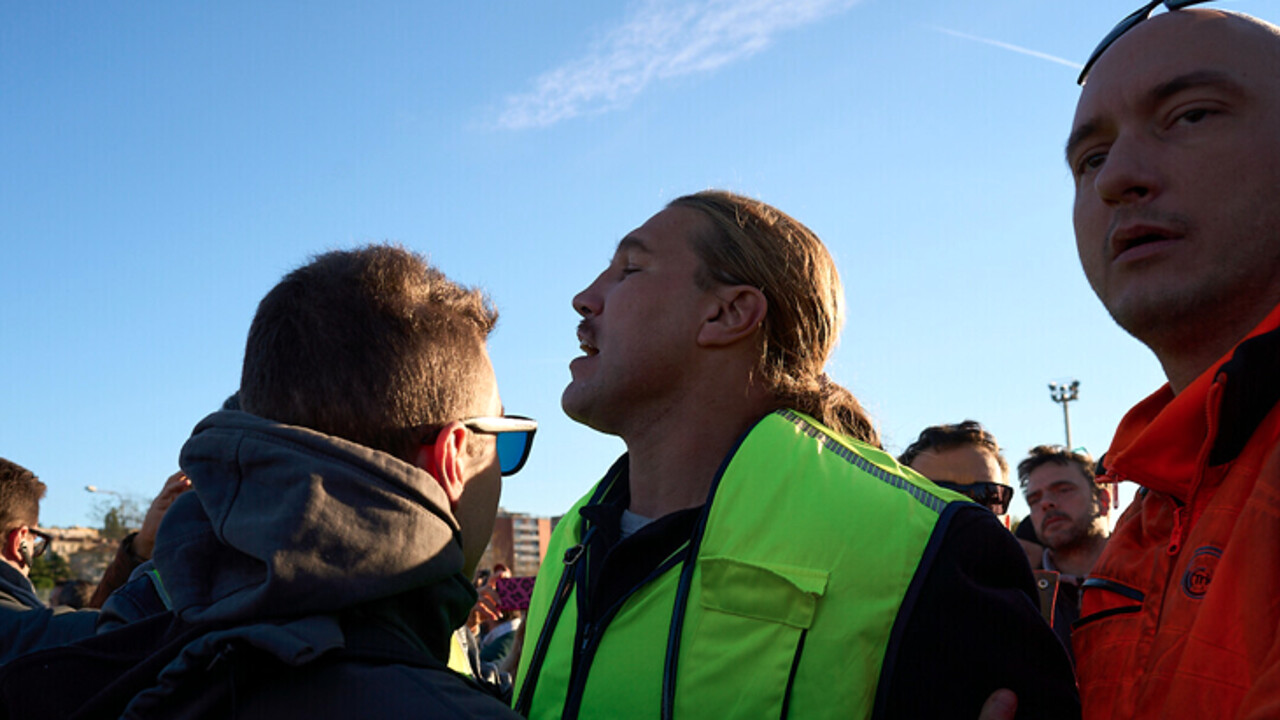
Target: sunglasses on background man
x=994, y=496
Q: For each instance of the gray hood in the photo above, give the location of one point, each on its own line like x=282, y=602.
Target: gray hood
x=286, y=522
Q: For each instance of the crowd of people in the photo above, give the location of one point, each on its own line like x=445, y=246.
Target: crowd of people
x=755, y=552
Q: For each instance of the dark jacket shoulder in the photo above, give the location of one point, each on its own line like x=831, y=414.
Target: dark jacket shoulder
x=972, y=625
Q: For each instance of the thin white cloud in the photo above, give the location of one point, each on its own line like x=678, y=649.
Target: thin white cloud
x=1015, y=48
x=658, y=40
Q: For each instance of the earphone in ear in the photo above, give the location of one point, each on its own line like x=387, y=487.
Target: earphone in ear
x=24, y=549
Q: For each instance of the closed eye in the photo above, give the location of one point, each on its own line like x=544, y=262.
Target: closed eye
x=1194, y=116
x=1090, y=162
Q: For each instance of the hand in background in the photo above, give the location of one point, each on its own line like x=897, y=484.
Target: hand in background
x=485, y=610
x=145, y=542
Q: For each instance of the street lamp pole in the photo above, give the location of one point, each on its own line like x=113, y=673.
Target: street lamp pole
x=1064, y=393
x=101, y=491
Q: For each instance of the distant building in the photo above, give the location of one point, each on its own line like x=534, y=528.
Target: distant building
x=519, y=541
x=69, y=541
x=84, y=549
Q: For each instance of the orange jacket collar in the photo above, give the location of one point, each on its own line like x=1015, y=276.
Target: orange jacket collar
x=1161, y=442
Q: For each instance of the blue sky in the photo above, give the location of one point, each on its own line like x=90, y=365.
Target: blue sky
x=162, y=165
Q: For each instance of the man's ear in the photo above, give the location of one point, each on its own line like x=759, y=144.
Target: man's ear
x=734, y=313
x=443, y=460
x=1104, y=497
x=12, y=541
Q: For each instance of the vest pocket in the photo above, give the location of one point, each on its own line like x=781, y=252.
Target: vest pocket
x=778, y=593
x=743, y=644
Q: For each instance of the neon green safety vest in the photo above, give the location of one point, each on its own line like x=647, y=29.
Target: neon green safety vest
x=805, y=552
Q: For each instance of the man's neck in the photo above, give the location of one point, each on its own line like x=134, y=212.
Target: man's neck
x=672, y=465
x=23, y=569
x=1183, y=369
x=1194, y=349
x=1078, y=559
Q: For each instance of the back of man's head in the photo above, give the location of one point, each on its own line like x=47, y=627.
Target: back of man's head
x=20, y=494
x=752, y=243
x=370, y=345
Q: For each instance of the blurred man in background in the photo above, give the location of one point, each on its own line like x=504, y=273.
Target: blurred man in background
x=1071, y=516
x=966, y=458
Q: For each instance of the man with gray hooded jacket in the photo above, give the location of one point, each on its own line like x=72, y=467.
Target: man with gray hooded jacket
x=334, y=522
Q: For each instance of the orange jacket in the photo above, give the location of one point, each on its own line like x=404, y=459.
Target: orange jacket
x=1181, y=615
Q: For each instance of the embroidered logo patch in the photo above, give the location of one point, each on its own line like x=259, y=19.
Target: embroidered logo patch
x=1195, y=582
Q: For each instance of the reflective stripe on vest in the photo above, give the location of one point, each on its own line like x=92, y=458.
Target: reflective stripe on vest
x=810, y=544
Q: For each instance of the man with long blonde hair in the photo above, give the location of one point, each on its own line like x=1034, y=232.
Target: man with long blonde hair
x=756, y=553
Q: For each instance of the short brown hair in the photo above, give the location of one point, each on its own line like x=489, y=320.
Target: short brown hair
x=20, y=494
x=370, y=345
x=751, y=243
x=1059, y=455
x=969, y=433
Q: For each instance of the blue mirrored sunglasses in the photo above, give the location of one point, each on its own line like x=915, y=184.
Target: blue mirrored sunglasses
x=1128, y=24
x=515, y=438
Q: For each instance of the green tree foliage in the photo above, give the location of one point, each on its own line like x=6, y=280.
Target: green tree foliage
x=113, y=527
x=120, y=517
x=48, y=570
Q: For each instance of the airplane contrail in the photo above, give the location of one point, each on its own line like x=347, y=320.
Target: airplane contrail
x=1014, y=48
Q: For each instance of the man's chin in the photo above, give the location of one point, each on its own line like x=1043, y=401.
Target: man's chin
x=584, y=409
x=1154, y=314
x=576, y=405
x=1057, y=529
x=1067, y=538
x=571, y=401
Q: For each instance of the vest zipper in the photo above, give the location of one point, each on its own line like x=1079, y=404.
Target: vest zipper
x=1179, y=528
x=563, y=590
x=589, y=639
x=587, y=643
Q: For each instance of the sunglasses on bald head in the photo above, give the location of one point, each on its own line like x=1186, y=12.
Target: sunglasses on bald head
x=993, y=496
x=1127, y=24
